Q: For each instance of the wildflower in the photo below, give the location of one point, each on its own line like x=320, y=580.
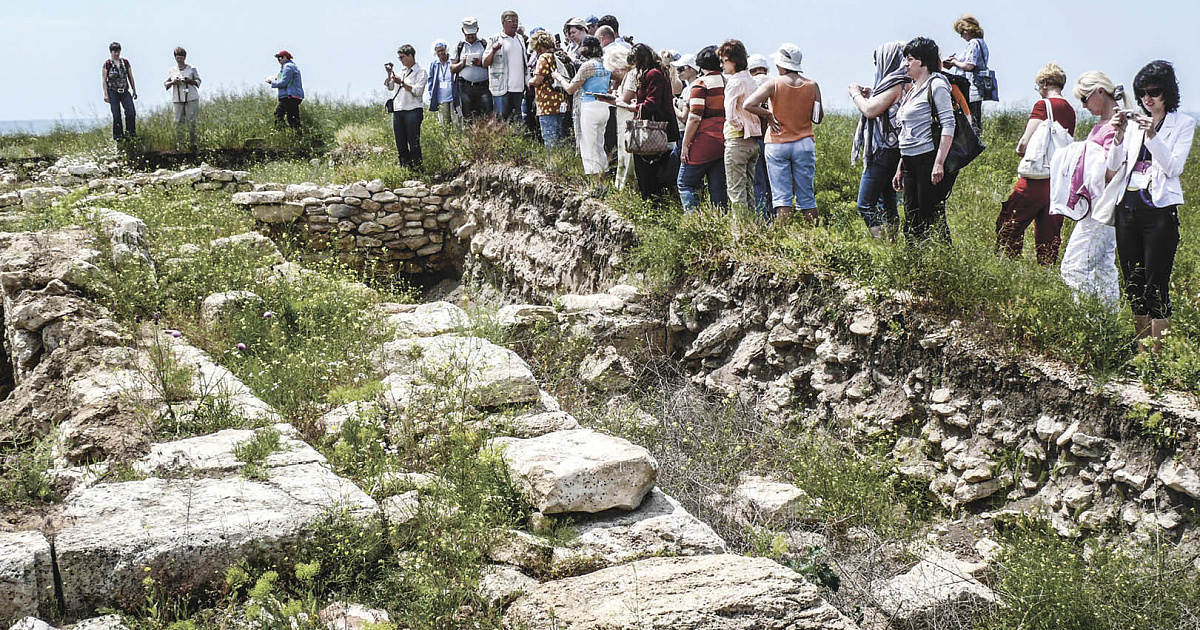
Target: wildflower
x=241, y=346
x=269, y=314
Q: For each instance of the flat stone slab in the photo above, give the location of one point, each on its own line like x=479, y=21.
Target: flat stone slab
x=429, y=320
x=659, y=527
x=214, y=453
x=26, y=583
x=579, y=470
x=490, y=375
x=718, y=592
x=187, y=531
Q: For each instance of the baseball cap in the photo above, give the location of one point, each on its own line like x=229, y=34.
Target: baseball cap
x=470, y=25
x=591, y=20
x=284, y=53
x=687, y=60
x=576, y=22
x=757, y=61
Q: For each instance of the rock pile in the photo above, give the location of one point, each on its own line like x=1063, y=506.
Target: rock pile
x=414, y=228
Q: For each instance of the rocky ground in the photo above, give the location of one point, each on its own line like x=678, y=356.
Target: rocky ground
x=989, y=436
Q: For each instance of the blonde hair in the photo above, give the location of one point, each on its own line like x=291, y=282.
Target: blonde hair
x=542, y=41
x=616, y=59
x=1051, y=74
x=968, y=25
x=1093, y=80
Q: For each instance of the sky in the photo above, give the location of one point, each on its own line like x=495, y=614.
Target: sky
x=53, y=51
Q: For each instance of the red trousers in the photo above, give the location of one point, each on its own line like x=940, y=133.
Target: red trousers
x=1029, y=203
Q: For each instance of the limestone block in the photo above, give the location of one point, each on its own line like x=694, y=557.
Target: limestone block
x=277, y=212
x=187, y=530
x=370, y=227
x=714, y=592
x=104, y=622
x=761, y=501
x=302, y=191
x=936, y=587
x=259, y=197
x=606, y=370
x=357, y=190
x=402, y=508
x=26, y=584
x=429, y=320
x=529, y=425
x=660, y=526
x=500, y=584
x=430, y=249
x=348, y=616
x=214, y=453
x=603, y=302
x=489, y=375
x=579, y=471
x=516, y=315
x=219, y=305
x=1180, y=477
x=384, y=196
x=42, y=197
x=251, y=243
x=185, y=178
x=340, y=210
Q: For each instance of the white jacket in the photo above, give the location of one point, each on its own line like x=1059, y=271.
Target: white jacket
x=1077, y=179
x=1169, y=149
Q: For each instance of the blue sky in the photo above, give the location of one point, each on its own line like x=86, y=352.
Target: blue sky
x=53, y=50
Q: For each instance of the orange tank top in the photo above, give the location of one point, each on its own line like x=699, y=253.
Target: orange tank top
x=793, y=108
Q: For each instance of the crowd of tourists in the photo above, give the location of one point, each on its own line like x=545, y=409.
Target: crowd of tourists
x=718, y=125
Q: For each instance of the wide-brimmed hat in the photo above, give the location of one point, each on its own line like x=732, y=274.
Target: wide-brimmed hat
x=576, y=22
x=756, y=61
x=470, y=25
x=788, y=57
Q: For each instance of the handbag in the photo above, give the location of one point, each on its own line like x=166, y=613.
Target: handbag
x=1047, y=139
x=966, y=145
x=985, y=84
x=646, y=137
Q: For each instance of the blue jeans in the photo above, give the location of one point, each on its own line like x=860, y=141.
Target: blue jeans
x=508, y=107
x=115, y=103
x=876, y=197
x=791, y=167
x=406, y=125
x=762, y=185
x=691, y=184
x=552, y=130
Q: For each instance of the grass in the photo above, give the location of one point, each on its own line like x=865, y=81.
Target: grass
x=1049, y=582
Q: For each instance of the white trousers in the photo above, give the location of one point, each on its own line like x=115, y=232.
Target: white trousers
x=592, y=121
x=1089, y=263
x=625, y=174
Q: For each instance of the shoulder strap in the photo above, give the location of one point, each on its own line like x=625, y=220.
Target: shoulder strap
x=1049, y=111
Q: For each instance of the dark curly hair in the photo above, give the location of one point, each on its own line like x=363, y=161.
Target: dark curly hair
x=590, y=48
x=925, y=50
x=735, y=51
x=1159, y=74
x=642, y=57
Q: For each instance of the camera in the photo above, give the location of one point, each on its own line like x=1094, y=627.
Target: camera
x=1130, y=113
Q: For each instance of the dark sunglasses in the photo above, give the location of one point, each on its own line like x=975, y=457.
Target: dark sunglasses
x=1152, y=92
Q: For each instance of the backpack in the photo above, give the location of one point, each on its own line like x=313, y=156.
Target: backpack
x=966, y=145
x=1047, y=139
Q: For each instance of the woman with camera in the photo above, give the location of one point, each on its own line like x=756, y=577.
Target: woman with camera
x=1149, y=151
x=1089, y=262
x=407, y=109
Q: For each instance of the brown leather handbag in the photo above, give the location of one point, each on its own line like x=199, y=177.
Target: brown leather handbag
x=646, y=137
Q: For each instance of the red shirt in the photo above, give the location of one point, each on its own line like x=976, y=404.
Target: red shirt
x=707, y=100
x=1064, y=114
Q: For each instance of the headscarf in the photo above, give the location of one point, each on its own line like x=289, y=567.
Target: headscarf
x=889, y=72
x=436, y=43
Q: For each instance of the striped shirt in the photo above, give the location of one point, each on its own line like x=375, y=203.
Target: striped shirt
x=707, y=101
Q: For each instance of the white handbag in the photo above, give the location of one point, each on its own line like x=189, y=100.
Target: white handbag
x=1047, y=139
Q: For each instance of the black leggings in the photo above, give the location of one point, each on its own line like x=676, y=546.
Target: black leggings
x=1147, y=238
x=924, y=203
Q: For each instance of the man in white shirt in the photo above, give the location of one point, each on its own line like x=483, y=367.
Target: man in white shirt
x=472, y=77
x=184, y=82
x=506, y=61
